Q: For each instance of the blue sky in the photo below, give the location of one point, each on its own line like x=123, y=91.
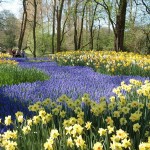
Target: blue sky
x=13, y=5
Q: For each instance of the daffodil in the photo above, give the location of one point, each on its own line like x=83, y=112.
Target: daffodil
x=49, y=144
x=68, y=130
x=36, y=119
x=42, y=113
x=98, y=146
x=123, y=121
x=88, y=125
x=77, y=129
x=136, y=127
x=20, y=119
x=121, y=134
x=116, y=146
x=26, y=129
x=126, y=143
x=109, y=121
x=144, y=146
x=29, y=122
x=70, y=142
x=125, y=110
x=135, y=117
x=11, y=145
x=80, y=143
x=116, y=114
x=110, y=129
x=54, y=133
x=18, y=113
x=102, y=131
x=8, y=120
x=62, y=114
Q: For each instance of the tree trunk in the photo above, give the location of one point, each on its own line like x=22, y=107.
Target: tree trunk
x=42, y=28
x=34, y=29
x=120, y=26
x=53, y=33
x=23, y=25
x=59, y=16
x=98, y=36
x=81, y=30
x=91, y=28
x=75, y=27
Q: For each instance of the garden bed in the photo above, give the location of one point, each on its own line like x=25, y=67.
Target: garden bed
x=76, y=108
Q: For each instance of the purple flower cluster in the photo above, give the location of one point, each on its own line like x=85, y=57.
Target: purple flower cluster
x=73, y=81
x=69, y=80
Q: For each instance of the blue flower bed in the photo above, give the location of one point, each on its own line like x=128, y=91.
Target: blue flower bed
x=73, y=81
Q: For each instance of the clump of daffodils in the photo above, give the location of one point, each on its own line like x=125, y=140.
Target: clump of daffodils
x=5, y=55
x=110, y=62
x=4, y=59
x=122, y=123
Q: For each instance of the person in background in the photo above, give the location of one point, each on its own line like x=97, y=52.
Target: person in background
x=13, y=52
x=22, y=53
x=18, y=53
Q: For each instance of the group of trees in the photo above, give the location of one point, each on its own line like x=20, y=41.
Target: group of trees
x=8, y=30
x=57, y=25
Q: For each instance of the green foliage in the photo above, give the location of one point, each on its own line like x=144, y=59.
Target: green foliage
x=8, y=28
x=43, y=42
x=137, y=39
x=106, y=40
x=10, y=74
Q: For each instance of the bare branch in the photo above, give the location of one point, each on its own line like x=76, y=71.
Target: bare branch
x=147, y=7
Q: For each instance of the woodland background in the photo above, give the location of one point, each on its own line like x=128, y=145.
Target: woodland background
x=50, y=26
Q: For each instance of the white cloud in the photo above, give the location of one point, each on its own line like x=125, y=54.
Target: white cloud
x=13, y=5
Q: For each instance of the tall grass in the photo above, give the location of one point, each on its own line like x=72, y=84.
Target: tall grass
x=10, y=74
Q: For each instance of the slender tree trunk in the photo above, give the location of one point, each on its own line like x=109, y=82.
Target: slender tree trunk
x=109, y=20
x=42, y=28
x=91, y=27
x=81, y=29
x=75, y=27
x=63, y=29
x=23, y=25
x=59, y=16
x=53, y=33
x=98, y=36
x=34, y=29
x=69, y=18
x=87, y=33
x=48, y=21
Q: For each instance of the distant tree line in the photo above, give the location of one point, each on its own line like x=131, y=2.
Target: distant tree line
x=50, y=26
